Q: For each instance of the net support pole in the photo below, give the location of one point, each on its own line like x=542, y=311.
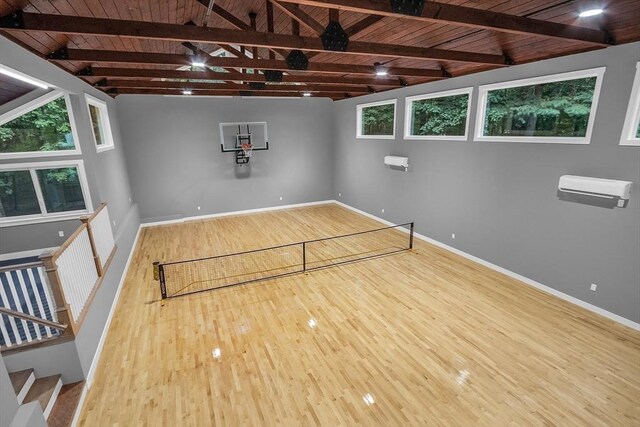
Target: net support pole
x=163, y=286
x=304, y=256
x=411, y=237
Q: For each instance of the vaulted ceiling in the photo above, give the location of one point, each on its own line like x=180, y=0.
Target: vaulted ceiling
x=147, y=46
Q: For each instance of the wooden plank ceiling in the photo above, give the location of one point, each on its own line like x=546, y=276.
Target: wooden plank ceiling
x=147, y=46
x=11, y=88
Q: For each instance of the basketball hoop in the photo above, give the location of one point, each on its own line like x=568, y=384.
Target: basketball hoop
x=247, y=149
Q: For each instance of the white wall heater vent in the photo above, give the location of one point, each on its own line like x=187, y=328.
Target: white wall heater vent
x=598, y=187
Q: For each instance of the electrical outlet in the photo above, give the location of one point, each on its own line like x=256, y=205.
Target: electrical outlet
x=594, y=287
x=453, y=235
x=198, y=207
x=129, y=199
x=382, y=210
x=61, y=233
x=339, y=194
x=280, y=197
x=114, y=222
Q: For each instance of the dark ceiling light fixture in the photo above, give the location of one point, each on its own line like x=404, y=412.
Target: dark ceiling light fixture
x=297, y=60
x=335, y=38
x=273, y=75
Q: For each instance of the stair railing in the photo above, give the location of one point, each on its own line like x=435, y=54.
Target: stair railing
x=34, y=319
x=58, y=287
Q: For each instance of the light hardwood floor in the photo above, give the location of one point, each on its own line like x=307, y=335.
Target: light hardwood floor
x=416, y=338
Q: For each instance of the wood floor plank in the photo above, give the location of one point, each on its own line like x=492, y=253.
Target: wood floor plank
x=416, y=338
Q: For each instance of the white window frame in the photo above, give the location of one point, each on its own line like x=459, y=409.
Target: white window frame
x=105, y=123
x=572, y=75
x=408, y=115
x=32, y=105
x=633, y=114
x=359, y=109
x=55, y=216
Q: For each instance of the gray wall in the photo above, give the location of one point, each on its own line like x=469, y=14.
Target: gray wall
x=173, y=153
x=500, y=199
x=106, y=171
x=8, y=400
x=108, y=182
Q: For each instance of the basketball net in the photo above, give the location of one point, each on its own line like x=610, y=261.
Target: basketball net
x=247, y=149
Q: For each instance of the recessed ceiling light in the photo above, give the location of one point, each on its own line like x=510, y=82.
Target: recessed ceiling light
x=22, y=77
x=306, y=94
x=187, y=92
x=198, y=64
x=590, y=12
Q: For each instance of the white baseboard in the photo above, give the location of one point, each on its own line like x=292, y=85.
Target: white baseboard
x=26, y=387
x=609, y=315
x=52, y=400
x=222, y=214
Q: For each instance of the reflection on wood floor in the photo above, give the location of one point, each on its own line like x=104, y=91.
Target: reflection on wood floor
x=415, y=338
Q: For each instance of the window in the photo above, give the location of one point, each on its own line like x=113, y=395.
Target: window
x=99, y=115
x=39, y=128
x=40, y=192
x=551, y=109
x=376, y=120
x=631, y=129
x=439, y=116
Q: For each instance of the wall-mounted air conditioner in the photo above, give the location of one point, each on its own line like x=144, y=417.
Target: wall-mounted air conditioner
x=402, y=162
x=598, y=187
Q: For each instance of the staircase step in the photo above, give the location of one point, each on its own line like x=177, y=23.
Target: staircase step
x=66, y=405
x=45, y=390
x=22, y=381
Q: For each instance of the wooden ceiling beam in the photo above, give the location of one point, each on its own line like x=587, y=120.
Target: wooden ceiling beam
x=144, y=73
x=471, y=17
x=270, y=27
x=152, y=58
x=254, y=27
x=334, y=15
x=236, y=22
x=248, y=93
x=293, y=11
x=24, y=21
x=171, y=84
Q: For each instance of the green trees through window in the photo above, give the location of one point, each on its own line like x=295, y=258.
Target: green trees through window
x=377, y=120
x=559, y=109
x=46, y=128
x=60, y=188
x=17, y=194
x=439, y=116
x=94, y=114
